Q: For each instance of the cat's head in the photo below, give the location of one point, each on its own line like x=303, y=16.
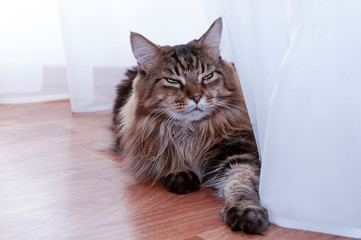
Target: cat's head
x=186, y=82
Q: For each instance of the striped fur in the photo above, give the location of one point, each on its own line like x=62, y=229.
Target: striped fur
x=180, y=118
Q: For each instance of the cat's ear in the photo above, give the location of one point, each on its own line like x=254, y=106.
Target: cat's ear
x=212, y=38
x=143, y=49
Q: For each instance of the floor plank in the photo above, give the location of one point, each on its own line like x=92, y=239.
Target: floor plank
x=59, y=181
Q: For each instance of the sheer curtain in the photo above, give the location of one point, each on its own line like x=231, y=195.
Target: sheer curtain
x=56, y=49
x=299, y=65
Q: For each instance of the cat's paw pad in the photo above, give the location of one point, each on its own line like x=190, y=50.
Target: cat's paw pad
x=181, y=182
x=251, y=219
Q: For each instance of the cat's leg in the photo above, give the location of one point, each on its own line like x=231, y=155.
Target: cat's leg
x=181, y=182
x=237, y=183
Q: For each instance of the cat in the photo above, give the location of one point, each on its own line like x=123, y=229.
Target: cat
x=180, y=118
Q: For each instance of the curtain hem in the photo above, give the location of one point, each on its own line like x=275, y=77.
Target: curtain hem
x=92, y=109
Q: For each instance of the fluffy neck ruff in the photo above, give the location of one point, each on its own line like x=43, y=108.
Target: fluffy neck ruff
x=155, y=147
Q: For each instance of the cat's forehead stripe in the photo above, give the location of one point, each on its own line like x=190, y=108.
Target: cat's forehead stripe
x=186, y=60
x=177, y=71
x=203, y=66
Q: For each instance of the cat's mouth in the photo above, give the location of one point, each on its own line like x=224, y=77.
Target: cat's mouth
x=195, y=114
x=195, y=110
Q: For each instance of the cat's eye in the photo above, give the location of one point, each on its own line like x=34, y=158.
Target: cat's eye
x=172, y=80
x=208, y=76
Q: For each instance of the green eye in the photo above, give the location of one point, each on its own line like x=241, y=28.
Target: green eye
x=208, y=76
x=172, y=80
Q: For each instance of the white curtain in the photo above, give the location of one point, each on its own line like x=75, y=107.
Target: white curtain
x=56, y=49
x=300, y=67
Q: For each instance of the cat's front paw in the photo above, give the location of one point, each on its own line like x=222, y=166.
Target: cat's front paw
x=251, y=219
x=181, y=182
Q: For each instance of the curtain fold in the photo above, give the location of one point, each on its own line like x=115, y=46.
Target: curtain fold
x=299, y=66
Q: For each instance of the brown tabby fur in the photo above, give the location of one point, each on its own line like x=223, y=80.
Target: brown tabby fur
x=214, y=147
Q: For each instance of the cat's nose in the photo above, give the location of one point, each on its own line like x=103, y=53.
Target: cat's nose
x=196, y=98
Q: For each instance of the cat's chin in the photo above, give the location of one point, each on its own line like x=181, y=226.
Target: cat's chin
x=194, y=115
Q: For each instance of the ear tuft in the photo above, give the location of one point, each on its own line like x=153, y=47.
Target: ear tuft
x=143, y=49
x=212, y=38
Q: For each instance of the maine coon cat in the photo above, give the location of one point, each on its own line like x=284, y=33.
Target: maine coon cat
x=180, y=118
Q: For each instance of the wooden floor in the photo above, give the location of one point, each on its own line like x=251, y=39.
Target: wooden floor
x=57, y=181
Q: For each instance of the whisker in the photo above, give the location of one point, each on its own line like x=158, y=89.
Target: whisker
x=239, y=114
x=229, y=105
x=234, y=98
x=150, y=121
x=217, y=111
x=171, y=118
